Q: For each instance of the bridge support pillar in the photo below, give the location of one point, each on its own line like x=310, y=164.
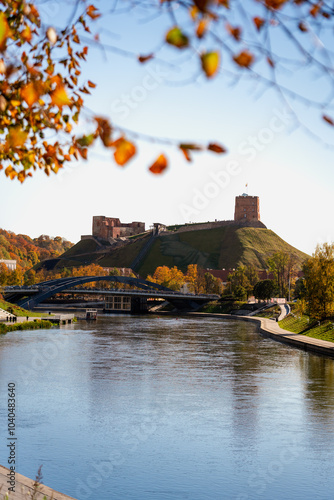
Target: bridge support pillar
x=139, y=305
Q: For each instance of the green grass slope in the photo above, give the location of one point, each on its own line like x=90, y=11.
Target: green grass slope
x=215, y=248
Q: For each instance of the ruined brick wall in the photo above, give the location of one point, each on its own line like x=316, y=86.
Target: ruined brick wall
x=247, y=208
x=212, y=225
x=108, y=227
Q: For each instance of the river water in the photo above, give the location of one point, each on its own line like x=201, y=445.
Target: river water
x=161, y=408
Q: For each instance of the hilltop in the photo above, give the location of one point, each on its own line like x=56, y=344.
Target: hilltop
x=213, y=246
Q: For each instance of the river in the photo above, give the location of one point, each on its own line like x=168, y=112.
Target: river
x=165, y=408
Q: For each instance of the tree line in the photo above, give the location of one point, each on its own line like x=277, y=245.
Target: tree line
x=30, y=251
x=313, y=292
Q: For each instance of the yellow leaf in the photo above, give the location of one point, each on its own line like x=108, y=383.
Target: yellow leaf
x=193, y=11
x=16, y=137
x=210, y=63
x=10, y=172
x=21, y=176
x=5, y=31
x=26, y=34
x=159, y=165
x=15, y=103
x=59, y=97
x=124, y=151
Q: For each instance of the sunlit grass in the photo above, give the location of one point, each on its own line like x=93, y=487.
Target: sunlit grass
x=306, y=326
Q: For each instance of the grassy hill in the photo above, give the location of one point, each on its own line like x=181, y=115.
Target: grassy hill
x=216, y=248
x=87, y=252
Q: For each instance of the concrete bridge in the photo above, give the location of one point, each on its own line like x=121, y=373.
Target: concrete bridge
x=30, y=297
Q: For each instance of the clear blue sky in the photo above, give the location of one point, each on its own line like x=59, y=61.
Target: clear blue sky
x=290, y=172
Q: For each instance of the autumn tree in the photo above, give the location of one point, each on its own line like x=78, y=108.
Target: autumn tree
x=195, y=279
x=3, y=274
x=319, y=282
x=211, y=284
x=43, y=89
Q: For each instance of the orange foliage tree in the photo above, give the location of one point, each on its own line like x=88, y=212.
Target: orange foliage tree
x=172, y=278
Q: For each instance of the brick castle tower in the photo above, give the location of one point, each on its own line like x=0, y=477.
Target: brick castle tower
x=247, y=208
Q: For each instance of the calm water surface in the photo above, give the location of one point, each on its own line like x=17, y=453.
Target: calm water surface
x=164, y=409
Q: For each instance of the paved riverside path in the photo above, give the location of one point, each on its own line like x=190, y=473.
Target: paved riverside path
x=24, y=489
x=271, y=329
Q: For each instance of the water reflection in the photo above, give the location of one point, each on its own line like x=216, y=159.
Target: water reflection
x=171, y=408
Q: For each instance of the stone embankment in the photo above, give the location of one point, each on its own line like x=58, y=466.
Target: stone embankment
x=271, y=329
x=25, y=488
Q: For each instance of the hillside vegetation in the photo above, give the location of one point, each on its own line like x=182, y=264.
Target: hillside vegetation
x=27, y=251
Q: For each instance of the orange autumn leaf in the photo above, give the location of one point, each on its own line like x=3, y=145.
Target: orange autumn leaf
x=92, y=12
x=201, y=28
x=91, y=84
x=104, y=130
x=59, y=97
x=245, y=59
x=159, y=165
x=5, y=31
x=328, y=119
x=216, y=148
x=21, y=176
x=210, y=63
x=186, y=154
x=125, y=150
x=314, y=11
x=10, y=172
x=144, y=59
x=234, y=31
x=275, y=4
x=259, y=22
x=31, y=93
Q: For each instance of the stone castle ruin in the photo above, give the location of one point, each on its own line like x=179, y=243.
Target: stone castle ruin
x=247, y=213
x=107, y=228
x=247, y=208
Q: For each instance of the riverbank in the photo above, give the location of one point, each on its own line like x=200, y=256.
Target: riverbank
x=24, y=325
x=271, y=329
